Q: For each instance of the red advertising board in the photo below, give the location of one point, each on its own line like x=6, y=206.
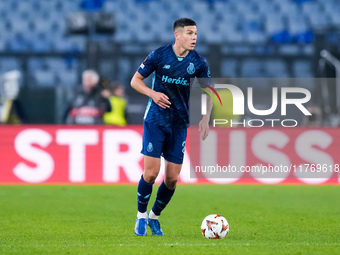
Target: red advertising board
x=52, y=154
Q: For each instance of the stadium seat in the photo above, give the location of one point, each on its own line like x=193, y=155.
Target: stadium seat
x=319, y=21
x=304, y=37
x=72, y=44
x=299, y=30
x=201, y=7
x=9, y=64
x=266, y=7
x=234, y=36
x=18, y=25
x=287, y=8
x=67, y=77
x=273, y=24
x=77, y=43
x=59, y=64
x=44, y=78
x=335, y=20
x=41, y=25
x=311, y=8
x=3, y=45
x=275, y=68
x=70, y=6
x=307, y=49
x=252, y=68
x=41, y=46
x=24, y=6
x=111, y=6
x=91, y=5
x=228, y=68
x=123, y=36
x=221, y=7
x=281, y=37
x=36, y=64
x=302, y=1
x=301, y=68
x=289, y=49
x=18, y=44
x=243, y=7
x=167, y=37
x=255, y=37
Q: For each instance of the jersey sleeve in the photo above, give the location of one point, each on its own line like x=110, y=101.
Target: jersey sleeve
x=148, y=65
x=204, y=73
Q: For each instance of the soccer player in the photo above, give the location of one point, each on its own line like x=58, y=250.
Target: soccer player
x=167, y=118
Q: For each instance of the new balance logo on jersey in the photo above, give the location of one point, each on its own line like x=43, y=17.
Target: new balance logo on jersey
x=166, y=67
x=179, y=80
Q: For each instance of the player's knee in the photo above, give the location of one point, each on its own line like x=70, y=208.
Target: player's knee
x=150, y=176
x=171, y=183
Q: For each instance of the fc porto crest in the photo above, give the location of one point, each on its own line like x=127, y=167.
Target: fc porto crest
x=150, y=147
x=191, y=68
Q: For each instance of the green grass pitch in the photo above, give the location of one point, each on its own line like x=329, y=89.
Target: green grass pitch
x=100, y=220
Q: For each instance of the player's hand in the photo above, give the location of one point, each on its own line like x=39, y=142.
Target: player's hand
x=161, y=100
x=203, y=127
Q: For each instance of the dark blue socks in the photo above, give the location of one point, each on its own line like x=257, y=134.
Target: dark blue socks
x=163, y=197
x=144, y=192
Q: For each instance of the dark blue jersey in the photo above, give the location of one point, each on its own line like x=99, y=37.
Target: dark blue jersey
x=172, y=77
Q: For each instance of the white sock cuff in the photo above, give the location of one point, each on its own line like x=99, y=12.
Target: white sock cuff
x=143, y=215
x=153, y=216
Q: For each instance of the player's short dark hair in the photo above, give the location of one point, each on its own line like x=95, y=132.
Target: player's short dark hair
x=183, y=22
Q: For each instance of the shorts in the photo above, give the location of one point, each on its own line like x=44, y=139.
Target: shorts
x=168, y=142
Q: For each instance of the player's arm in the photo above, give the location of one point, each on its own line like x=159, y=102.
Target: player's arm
x=137, y=82
x=203, y=126
x=204, y=73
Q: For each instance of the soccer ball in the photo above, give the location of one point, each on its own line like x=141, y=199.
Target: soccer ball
x=214, y=226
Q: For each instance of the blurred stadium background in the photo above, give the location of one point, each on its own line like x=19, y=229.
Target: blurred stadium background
x=45, y=45
x=51, y=42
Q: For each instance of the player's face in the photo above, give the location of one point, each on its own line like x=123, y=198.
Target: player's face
x=187, y=37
